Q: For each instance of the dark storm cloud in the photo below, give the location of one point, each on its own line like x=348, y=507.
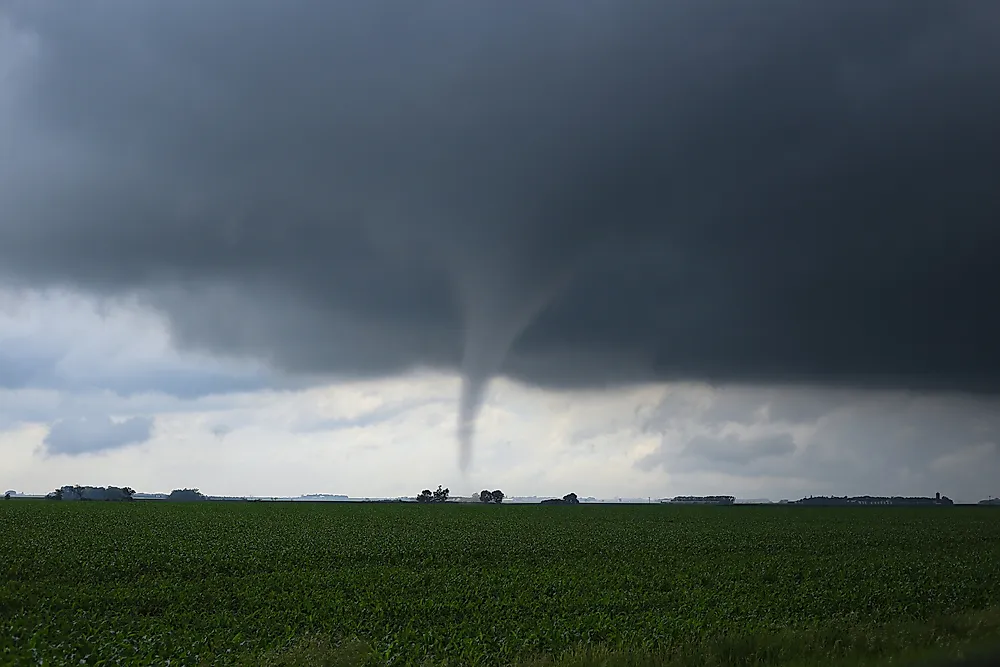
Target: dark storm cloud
x=770, y=191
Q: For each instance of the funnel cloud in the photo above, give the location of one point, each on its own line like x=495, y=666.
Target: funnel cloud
x=571, y=194
x=496, y=310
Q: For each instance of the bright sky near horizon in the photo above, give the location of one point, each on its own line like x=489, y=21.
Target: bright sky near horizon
x=221, y=426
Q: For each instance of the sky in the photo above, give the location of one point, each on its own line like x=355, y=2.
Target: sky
x=620, y=249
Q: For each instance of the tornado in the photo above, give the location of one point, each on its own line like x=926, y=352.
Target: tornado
x=497, y=308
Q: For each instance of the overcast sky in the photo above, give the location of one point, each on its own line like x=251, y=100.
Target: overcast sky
x=616, y=248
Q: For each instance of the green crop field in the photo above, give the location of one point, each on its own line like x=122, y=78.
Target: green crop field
x=298, y=583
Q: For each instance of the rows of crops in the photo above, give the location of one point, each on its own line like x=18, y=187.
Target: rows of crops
x=210, y=583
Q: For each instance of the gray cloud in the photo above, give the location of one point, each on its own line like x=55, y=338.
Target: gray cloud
x=860, y=442
x=388, y=413
x=25, y=372
x=776, y=192
x=67, y=343
x=94, y=433
x=732, y=449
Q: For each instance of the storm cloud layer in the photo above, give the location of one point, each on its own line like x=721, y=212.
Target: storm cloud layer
x=571, y=193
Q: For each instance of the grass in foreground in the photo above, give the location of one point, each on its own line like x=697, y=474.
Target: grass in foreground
x=262, y=583
x=971, y=640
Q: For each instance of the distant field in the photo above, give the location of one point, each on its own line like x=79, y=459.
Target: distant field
x=302, y=583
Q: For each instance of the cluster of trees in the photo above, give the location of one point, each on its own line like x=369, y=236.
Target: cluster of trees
x=441, y=495
x=568, y=499
x=938, y=499
x=78, y=492
x=186, y=494
x=428, y=496
x=491, y=496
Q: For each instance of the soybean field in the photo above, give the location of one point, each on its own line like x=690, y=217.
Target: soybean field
x=228, y=583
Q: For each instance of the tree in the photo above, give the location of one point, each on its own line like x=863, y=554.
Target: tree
x=497, y=496
x=6, y=496
x=129, y=492
x=186, y=495
x=485, y=496
x=571, y=499
x=441, y=495
x=438, y=496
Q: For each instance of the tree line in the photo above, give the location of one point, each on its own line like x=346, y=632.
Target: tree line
x=441, y=495
x=115, y=493
x=77, y=492
x=428, y=496
x=568, y=499
x=495, y=497
x=489, y=497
